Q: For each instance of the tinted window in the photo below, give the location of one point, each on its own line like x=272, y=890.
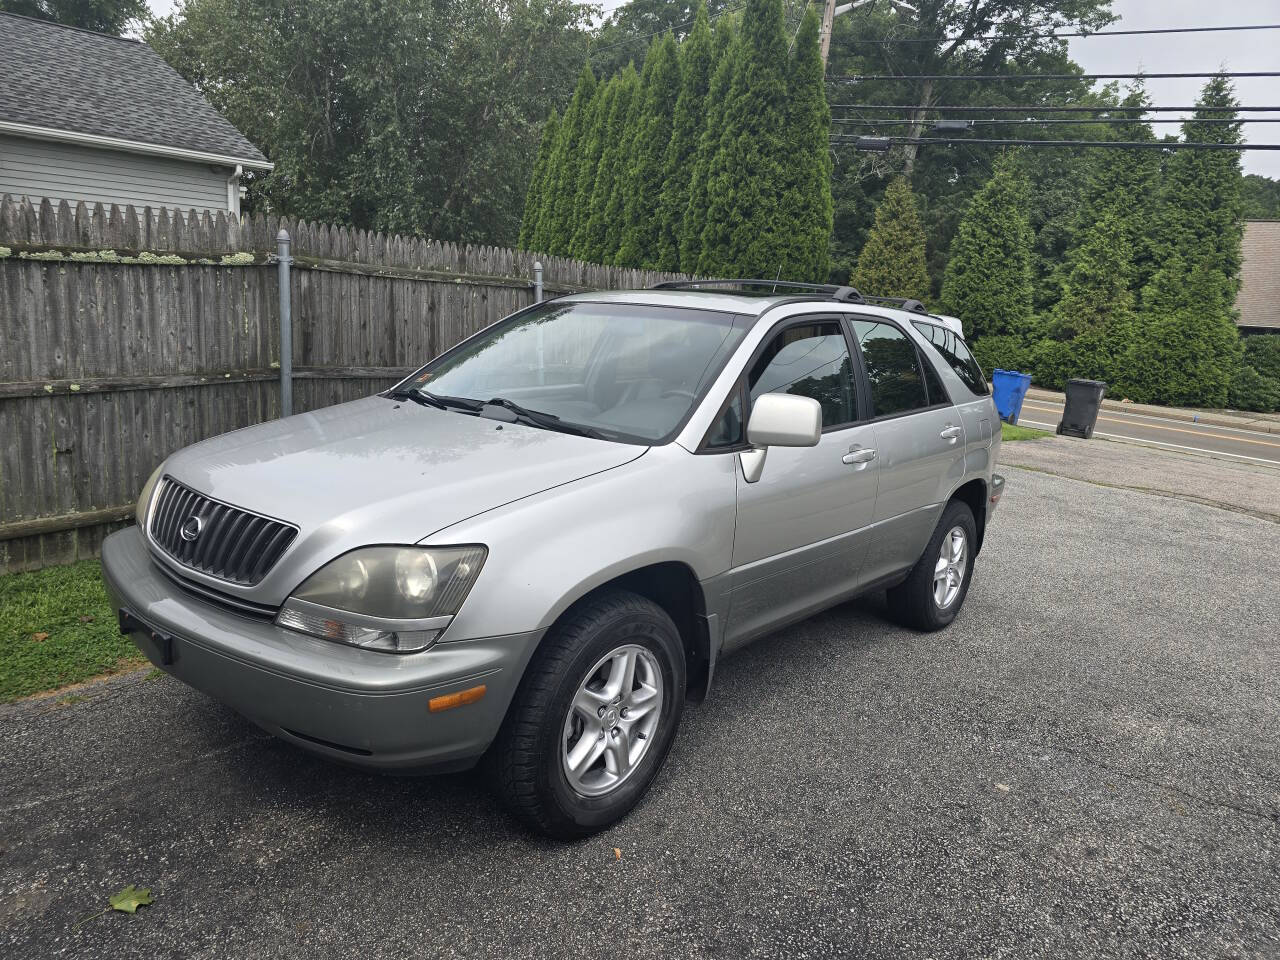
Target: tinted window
x=893, y=368
x=937, y=392
x=727, y=430
x=956, y=353
x=811, y=360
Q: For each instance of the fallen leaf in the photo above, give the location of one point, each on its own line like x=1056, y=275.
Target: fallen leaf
x=130, y=899
x=39, y=637
x=617, y=854
x=1003, y=787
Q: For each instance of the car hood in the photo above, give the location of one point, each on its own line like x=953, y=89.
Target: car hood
x=379, y=471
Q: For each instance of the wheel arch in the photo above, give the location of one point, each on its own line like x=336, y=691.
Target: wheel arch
x=974, y=494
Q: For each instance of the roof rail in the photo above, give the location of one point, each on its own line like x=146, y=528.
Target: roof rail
x=830, y=290
x=905, y=303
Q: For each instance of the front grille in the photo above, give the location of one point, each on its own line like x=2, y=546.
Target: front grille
x=224, y=541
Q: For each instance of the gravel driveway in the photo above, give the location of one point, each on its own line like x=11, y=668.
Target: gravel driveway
x=1085, y=764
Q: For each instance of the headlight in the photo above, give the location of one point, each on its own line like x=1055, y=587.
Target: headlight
x=397, y=599
x=144, y=498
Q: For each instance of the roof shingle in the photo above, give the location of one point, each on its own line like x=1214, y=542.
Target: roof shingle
x=85, y=82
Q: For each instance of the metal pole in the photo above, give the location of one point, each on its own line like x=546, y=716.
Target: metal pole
x=537, y=281
x=286, y=324
x=537, y=298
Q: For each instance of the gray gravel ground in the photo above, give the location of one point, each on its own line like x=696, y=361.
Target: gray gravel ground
x=1085, y=764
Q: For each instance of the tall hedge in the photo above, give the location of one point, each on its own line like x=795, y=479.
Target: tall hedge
x=557, y=224
x=892, y=262
x=694, y=221
x=594, y=244
x=807, y=204
x=660, y=85
x=594, y=140
x=696, y=55
x=987, y=282
x=533, y=202
x=747, y=232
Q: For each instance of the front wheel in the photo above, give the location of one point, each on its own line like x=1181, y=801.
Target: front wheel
x=594, y=717
x=937, y=585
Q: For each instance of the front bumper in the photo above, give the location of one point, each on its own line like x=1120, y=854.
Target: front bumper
x=357, y=706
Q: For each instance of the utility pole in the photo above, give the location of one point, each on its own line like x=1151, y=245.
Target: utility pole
x=830, y=11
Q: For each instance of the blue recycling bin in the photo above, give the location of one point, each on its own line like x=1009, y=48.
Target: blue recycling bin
x=1009, y=389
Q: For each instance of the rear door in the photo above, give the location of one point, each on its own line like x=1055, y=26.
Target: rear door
x=801, y=529
x=919, y=442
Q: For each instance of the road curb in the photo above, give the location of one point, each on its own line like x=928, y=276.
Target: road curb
x=1241, y=422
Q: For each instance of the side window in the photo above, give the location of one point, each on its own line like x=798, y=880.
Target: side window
x=956, y=353
x=811, y=360
x=727, y=430
x=937, y=392
x=893, y=368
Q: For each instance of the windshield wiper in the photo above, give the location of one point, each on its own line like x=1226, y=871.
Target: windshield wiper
x=548, y=421
x=437, y=400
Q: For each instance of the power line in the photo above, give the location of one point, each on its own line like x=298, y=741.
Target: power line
x=1080, y=33
x=859, y=78
x=876, y=142
x=1036, y=120
x=880, y=107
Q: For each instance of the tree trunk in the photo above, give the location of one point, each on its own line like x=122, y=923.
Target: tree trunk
x=917, y=126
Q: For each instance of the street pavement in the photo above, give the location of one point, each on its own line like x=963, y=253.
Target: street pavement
x=1180, y=435
x=1084, y=764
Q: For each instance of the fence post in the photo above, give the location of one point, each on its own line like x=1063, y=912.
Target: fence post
x=537, y=281
x=286, y=324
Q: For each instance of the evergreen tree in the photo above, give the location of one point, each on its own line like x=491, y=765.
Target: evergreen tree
x=533, y=201
x=746, y=232
x=892, y=263
x=593, y=144
x=619, y=185
x=808, y=204
x=1202, y=206
x=696, y=55
x=987, y=283
x=694, y=220
x=1093, y=325
x=661, y=89
x=1187, y=350
x=558, y=221
x=594, y=245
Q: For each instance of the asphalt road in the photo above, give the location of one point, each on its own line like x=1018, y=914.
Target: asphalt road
x=1170, y=434
x=1085, y=764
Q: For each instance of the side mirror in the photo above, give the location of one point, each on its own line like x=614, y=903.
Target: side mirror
x=784, y=420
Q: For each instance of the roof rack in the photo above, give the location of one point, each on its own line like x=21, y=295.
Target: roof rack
x=831, y=290
x=904, y=303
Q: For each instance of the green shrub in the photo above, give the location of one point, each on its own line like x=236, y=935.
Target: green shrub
x=1004, y=351
x=1250, y=390
x=1262, y=352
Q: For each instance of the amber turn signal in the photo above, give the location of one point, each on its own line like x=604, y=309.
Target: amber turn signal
x=459, y=699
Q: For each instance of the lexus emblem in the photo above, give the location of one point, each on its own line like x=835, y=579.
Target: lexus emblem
x=191, y=529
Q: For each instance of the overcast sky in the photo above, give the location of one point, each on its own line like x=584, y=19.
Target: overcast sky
x=1171, y=53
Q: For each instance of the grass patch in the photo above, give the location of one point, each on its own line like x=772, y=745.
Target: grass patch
x=1010, y=432
x=57, y=627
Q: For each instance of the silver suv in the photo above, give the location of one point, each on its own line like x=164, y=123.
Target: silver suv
x=534, y=550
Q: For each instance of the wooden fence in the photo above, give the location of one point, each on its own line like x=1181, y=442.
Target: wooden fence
x=127, y=334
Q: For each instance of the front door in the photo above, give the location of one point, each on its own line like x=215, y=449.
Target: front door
x=800, y=536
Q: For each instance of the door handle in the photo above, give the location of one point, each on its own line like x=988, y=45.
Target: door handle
x=861, y=455
x=950, y=433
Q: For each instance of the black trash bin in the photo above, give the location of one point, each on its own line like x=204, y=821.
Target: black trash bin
x=1084, y=398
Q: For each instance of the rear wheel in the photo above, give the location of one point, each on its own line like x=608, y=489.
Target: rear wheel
x=594, y=717
x=937, y=585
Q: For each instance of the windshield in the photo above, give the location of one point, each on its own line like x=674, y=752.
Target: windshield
x=627, y=372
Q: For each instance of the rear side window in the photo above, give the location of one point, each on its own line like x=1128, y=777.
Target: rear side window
x=810, y=360
x=956, y=353
x=893, y=368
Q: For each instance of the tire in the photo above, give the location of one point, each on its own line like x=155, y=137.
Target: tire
x=914, y=603
x=573, y=668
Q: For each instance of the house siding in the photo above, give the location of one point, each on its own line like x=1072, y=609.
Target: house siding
x=41, y=169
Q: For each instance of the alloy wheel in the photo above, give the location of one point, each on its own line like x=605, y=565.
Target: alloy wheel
x=948, y=572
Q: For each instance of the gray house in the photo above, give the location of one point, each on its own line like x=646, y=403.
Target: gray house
x=86, y=116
